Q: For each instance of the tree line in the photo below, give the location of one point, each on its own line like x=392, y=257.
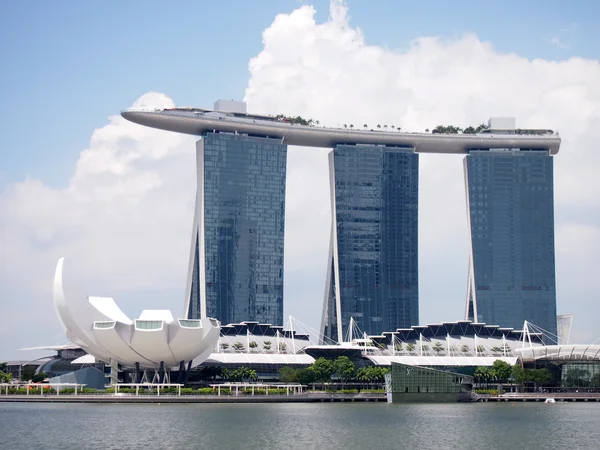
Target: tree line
x=323, y=370
x=451, y=129
x=502, y=372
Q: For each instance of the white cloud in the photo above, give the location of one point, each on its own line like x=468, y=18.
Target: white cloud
x=125, y=217
x=328, y=72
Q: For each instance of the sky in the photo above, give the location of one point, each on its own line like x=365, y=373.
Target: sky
x=116, y=199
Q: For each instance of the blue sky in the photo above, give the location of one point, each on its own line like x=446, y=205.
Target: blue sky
x=70, y=183
x=69, y=65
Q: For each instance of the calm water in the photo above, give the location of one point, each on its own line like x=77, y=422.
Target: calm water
x=301, y=426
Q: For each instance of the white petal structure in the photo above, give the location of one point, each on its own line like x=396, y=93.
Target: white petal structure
x=153, y=340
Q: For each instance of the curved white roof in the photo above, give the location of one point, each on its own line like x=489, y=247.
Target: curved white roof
x=197, y=121
x=449, y=361
x=560, y=352
x=259, y=358
x=104, y=331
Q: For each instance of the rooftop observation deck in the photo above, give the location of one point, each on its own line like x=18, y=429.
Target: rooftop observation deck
x=197, y=121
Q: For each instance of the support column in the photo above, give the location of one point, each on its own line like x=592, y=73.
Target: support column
x=187, y=372
x=161, y=372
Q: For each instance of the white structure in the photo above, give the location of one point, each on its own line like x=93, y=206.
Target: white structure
x=502, y=123
x=230, y=106
x=196, y=121
x=154, y=340
x=563, y=325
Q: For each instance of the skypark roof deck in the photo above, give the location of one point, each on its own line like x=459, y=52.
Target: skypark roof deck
x=197, y=121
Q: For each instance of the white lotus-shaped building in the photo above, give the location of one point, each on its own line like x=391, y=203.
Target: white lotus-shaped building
x=154, y=340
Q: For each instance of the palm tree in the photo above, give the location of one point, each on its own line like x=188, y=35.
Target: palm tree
x=238, y=346
x=267, y=345
x=438, y=347
x=224, y=346
x=365, y=126
x=385, y=127
x=345, y=126
x=393, y=127
x=351, y=126
x=378, y=126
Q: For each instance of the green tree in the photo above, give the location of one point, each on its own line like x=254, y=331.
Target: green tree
x=480, y=349
x=483, y=374
x=5, y=377
x=501, y=370
x=224, y=373
x=538, y=376
x=224, y=346
x=305, y=376
x=267, y=345
x=398, y=347
x=39, y=377
x=481, y=127
x=288, y=375
x=252, y=345
x=322, y=369
x=344, y=368
x=465, y=349
x=365, y=126
x=27, y=373
x=4, y=367
x=243, y=373
x=518, y=374
x=438, y=347
x=410, y=348
x=238, y=347
x=447, y=129
x=371, y=374
x=282, y=346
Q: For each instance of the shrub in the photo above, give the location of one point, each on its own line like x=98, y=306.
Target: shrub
x=206, y=391
x=492, y=392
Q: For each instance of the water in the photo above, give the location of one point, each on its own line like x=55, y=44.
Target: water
x=301, y=426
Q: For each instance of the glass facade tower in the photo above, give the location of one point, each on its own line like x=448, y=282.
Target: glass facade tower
x=373, y=264
x=510, y=202
x=236, y=263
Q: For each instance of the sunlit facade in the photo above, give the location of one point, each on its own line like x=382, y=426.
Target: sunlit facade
x=236, y=261
x=510, y=200
x=373, y=266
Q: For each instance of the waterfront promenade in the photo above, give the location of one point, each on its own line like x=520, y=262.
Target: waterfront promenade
x=169, y=398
